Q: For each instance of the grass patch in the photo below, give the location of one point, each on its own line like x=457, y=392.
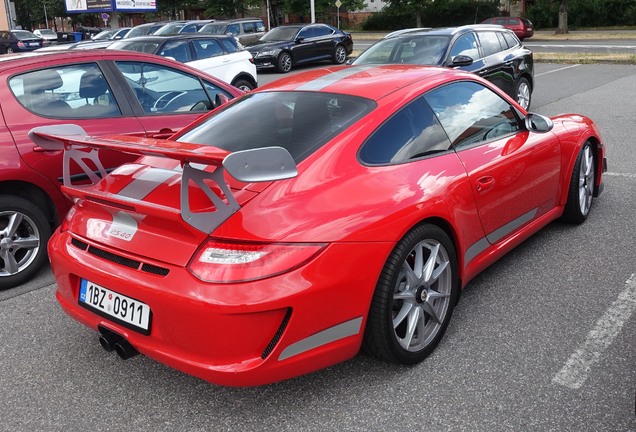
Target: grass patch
x=584, y=58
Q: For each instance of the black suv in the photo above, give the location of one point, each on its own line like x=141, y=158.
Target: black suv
x=245, y=30
x=490, y=51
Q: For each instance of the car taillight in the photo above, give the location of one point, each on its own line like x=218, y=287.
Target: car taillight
x=20, y=44
x=229, y=262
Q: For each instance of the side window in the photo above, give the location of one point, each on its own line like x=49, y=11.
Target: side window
x=502, y=41
x=307, y=33
x=411, y=133
x=229, y=44
x=178, y=50
x=233, y=28
x=249, y=27
x=322, y=31
x=260, y=27
x=77, y=91
x=489, y=43
x=206, y=48
x=511, y=39
x=162, y=90
x=190, y=28
x=471, y=113
x=466, y=45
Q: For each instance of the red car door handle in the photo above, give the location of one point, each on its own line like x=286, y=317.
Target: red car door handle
x=484, y=184
x=162, y=134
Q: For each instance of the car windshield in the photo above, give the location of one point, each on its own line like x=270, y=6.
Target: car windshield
x=415, y=49
x=135, y=45
x=170, y=29
x=23, y=34
x=280, y=34
x=215, y=29
x=301, y=122
x=47, y=32
x=104, y=35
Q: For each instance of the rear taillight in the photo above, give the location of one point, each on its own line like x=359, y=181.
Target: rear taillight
x=21, y=44
x=229, y=262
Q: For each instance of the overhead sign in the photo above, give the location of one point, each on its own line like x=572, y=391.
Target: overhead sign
x=87, y=6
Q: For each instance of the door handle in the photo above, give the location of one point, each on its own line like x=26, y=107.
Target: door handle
x=162, y=134
x=484, y=184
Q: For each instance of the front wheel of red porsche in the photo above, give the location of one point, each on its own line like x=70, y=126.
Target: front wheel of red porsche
x=414, y=298
x=581, y=192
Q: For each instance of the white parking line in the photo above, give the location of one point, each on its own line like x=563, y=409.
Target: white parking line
x=624, y=175
x=557, y=70
x=579, y=365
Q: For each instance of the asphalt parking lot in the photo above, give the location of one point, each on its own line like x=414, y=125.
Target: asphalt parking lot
x=544, y=340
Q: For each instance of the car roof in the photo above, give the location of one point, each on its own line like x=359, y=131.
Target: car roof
x=368, y=81
x=162, y=38
x=451, y=31
x=43, y=58
x=234, y=20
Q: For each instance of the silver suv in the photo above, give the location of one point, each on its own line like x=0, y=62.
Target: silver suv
x=245, y=30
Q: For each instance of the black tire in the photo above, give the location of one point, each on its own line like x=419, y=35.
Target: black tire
x=284, y=63
x=523, y=93
x=427, y=299
x=9, y=50
x=339, y=54
x=21, y=224
x=243, y=84
x=581, y=190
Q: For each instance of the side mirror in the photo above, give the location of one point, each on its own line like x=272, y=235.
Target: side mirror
x=461, y=60
x=538, y=123
x=299, y=39
x=350, y=60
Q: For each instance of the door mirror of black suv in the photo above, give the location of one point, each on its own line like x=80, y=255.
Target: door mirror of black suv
x=462, y=60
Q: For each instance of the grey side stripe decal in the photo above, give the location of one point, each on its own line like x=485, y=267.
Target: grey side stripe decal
x=499, y=233
x=482, y=244
x=322, y=82
x=324, y=337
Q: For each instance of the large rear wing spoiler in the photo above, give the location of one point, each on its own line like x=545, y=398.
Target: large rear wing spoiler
x=255, y=165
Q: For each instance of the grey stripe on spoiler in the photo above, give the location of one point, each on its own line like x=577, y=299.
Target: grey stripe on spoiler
x=254, y=165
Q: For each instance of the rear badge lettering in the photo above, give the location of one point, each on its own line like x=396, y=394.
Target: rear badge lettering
x=124, y=226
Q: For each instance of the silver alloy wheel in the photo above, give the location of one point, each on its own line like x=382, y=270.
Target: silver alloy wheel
x=340, y=56
x=586, y=180
x=19, y=242
x=422, y=295
x=523, y=94
x=285, y=62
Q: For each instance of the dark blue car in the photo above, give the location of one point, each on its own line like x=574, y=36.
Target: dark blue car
x=19, y=41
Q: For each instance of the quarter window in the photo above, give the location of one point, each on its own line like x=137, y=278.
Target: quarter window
x=412, y=133
x=471, y=113
x=206, y=48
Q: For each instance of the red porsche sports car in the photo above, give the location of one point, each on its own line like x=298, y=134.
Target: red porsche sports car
x=340, y=208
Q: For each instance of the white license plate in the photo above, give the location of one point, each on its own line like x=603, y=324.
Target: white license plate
x=125, y=310
x=34, y=44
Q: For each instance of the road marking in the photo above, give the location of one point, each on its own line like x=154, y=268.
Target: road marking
x=581, y=46
x=579, y=365
x=557, y=70
x=624, y=175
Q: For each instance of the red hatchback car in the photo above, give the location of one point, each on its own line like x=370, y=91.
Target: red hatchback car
x=522, y=27
x=350, y=214
x=104, y=92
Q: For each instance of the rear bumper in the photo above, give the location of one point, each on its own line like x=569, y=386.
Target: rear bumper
x=235, y=334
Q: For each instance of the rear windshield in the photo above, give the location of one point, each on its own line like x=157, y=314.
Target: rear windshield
x=301, y=122
x=215, y=29
x=133, y=45
x=23, y=34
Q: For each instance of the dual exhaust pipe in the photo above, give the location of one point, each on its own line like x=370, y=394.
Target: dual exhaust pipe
x=112, y=341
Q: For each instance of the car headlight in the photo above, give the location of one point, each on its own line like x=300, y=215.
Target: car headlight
x=266, y=53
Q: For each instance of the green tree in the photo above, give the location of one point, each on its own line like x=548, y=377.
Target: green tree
x=229, y=8
x=322, y=8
